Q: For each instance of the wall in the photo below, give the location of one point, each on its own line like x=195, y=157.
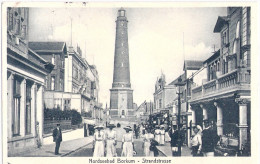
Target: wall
x=199, y=76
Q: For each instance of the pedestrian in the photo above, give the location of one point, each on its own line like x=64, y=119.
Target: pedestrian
x=196, y=142
x=111, y=141
x=174, y=140
x=99, y=142
x=57, y=138
x=136, y=132
x=141, y=129
x=128, y=143
x=162, y=135
x=157, y=133
x=167, y=136
x=209, y=140
x=148, y=149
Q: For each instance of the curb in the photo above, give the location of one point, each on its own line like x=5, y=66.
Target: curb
x=75, y=150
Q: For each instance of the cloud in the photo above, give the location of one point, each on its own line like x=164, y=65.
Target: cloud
x=198, y=52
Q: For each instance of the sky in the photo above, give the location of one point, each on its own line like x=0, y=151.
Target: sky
x=159, y=40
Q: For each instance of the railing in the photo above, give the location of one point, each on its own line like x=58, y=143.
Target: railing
x=197, y=91
x=209, y=86
x=228, y=80
x=224, y=82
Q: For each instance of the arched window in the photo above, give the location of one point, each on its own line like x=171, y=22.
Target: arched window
x=235, y=47
x=238, y=30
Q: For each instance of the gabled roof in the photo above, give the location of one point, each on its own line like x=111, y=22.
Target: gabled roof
x=212, y=57
x=48, y=46
x=222, y=20
x=192, y=64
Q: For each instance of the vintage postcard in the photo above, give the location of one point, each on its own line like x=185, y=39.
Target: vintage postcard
x=132, y=82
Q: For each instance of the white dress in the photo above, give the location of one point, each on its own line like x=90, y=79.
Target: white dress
x=147, y=143
x=110, y=147
x=157, y=135
x=127, y=145
x=162, y=136
x=99, y=138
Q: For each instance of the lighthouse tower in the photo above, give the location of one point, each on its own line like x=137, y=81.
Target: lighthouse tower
x=121, y=94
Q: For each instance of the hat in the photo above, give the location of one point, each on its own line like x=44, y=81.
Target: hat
x=162, y=126
x=128, y=128
x=99, y=127
x=111, y=125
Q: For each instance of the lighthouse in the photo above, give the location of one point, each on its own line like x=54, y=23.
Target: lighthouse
x=121, y=94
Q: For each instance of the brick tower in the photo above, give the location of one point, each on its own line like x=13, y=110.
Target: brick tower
x=121, y=94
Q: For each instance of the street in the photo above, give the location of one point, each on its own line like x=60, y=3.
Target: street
x=88, y=150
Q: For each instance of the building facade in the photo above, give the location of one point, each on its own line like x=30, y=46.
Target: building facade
x=73, y=84
x=121, y=94
x=26, y=78
x=225, y=98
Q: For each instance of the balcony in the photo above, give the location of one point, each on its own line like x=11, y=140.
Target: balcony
x=224, y=84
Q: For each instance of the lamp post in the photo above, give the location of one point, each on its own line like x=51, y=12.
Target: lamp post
x=179, y=84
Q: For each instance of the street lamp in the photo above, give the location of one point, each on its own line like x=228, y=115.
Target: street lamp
x=179, y=84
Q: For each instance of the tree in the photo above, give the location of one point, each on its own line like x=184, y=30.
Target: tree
x=75, y=117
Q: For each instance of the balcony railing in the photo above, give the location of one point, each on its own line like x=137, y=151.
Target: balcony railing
x=223, y=82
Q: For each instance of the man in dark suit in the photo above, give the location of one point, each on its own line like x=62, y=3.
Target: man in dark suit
x=57, y=137
x=209, y=139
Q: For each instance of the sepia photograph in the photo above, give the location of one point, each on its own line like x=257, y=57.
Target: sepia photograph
x=114, y=81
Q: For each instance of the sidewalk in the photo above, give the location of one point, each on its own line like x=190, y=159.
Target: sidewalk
x=166, y=150
x=66, y=148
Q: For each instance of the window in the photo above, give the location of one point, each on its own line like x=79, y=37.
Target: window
x=53, y=59
x=123, y=112
x=53, y=83
x=16, y=107
x=246, y=58
x=61, y=84
x=235, y=47
x=28, y=108
x=218, y=66
x=10, y=25
x=160, y=103
x=66, y=104
x=17, y=24
x=224, y=38
x=238, y=30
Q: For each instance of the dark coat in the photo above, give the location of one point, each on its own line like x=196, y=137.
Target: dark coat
x=57, y=135
x=174, y=138
x=209, y=140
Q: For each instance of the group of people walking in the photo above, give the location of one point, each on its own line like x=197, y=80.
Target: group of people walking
x=202, y=142
x=105, y=142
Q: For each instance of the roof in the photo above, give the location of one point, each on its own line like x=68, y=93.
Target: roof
x=192, y=64
x=176, y=80
x=212, y=57
x=47, y=46
x=222, y=20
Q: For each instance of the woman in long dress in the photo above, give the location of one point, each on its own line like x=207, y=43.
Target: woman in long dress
x=162, y=135
x=127, y=143
x=157, y=134
x=147, y=143
x=99, y=142
x=111, y=141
